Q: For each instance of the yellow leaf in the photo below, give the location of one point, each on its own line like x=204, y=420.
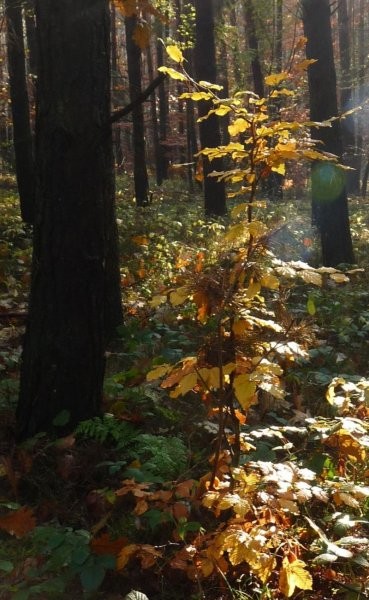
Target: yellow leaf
x=235, y=233
x=281, y=169
x=222, y=110
x=157, y=300
x=179, y=296
x=257, y=228
x=175, y=53
x=211, y=86
x=270, y=281
x=196, y=96
x=239, y=209
x=275, y=78
x=294, y=575
x=238, y=126
x=141, y=35
x=158, y=372
x=185, y=385
x=253, y=289
x=244, y=390
x=240, y=326
x=172, y=73
x=304, y=64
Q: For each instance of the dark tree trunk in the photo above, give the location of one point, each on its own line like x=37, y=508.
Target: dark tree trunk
x=163, y=117
x=30, y=22
x=24, y=165
x=253, y=43
x=138, y=126
x=205, y=67
x=75, y=302
x=329, y=196
x=350, y=155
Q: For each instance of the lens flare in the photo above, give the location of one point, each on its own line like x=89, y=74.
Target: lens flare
x=328, y=182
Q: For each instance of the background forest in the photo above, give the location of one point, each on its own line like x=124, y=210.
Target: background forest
x=184, y=389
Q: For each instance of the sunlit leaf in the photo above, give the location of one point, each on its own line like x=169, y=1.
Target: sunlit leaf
x=275, y=78
x=172, y=73
x=294, y=575
x=244, y=390
x=158, y=372
x=175, y=53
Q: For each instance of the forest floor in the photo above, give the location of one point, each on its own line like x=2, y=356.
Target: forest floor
x=178, y=491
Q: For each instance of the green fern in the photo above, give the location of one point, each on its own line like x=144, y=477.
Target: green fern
x=108, y=429
x=165, y=457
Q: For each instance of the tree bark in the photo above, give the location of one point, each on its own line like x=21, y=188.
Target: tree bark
x=205, y=67
x=329, y=197
x=24, y=165
x=75, y=302
x=141, y=180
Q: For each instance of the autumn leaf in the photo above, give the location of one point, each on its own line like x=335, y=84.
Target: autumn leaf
x=172, y=73
x=275, y=78
x=238, y=126
x=158, y=372
x=186, y=384
x=294, y=575
x=125, y=554
x=175, y=53
x=179, y=296
x=19, y=522
x=244, y=390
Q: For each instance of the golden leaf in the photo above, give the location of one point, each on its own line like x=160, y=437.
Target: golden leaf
x=275, y=78
x=304, y=64
x=196, y=96
x=238, y=126
x=185, y=385
x=175, y=53
x=294, y=575
x=157, y=300
x=158, y=372
x=172, y=73
x=141, y=35
x=240, y=326
x=280, y=168
x=244, y=390
x=222, y=110
x=179, y=296
x=211, y=86
x=270, y=281
x=253, y=289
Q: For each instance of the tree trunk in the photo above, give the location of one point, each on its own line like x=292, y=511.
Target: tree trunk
x=163, y=115
x=24, y=165
x=75, y=302
x=205, y=67
x=329, y=197
x=350, y=155
x=253, y=43
x=139, y=147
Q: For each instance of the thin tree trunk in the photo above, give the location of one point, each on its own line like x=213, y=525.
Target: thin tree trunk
x=205, y=67
x=163, y=116
x=24, y=165
x=141, y=180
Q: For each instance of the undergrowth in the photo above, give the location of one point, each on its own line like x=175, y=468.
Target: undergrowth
x=230, y=459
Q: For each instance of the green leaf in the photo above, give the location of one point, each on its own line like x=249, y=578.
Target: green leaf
x=6, y=565
x=80, y=555
x=92, y=577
